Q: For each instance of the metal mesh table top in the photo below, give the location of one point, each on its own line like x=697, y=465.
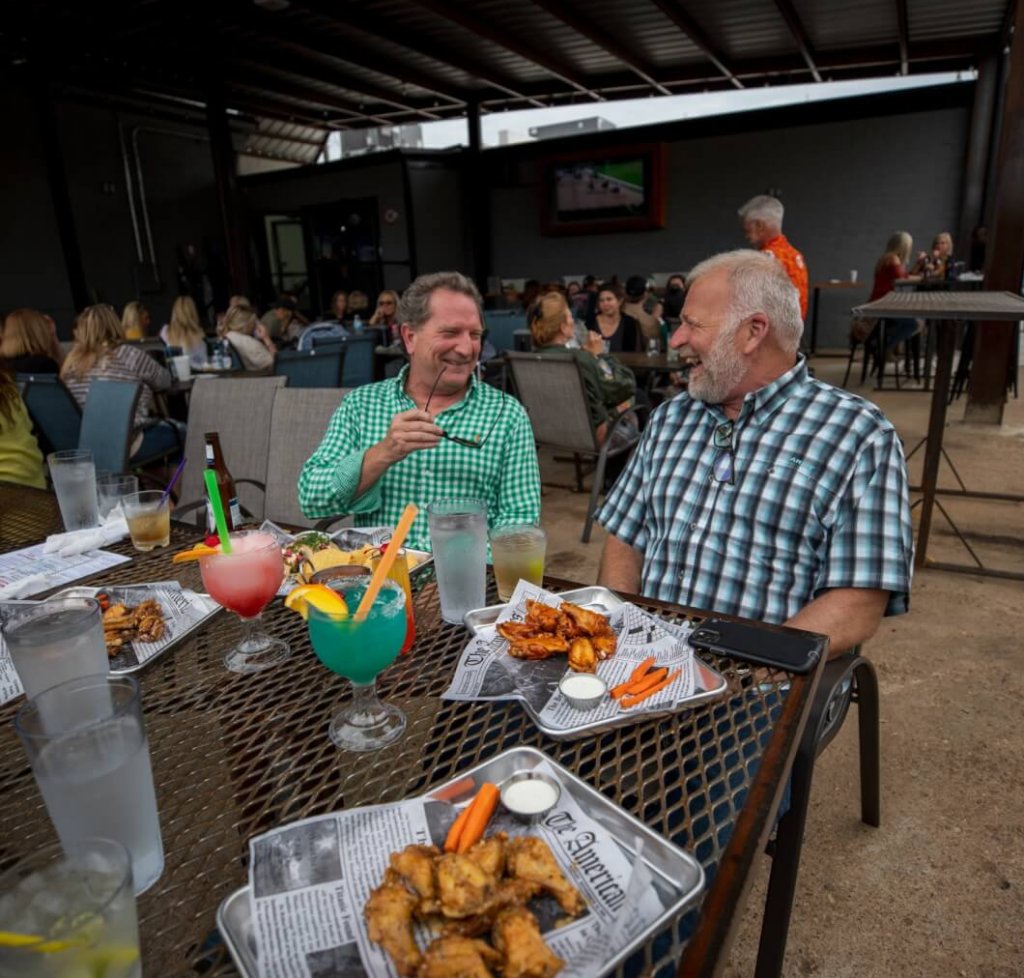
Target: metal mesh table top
x=946, y=305
x=234, y=756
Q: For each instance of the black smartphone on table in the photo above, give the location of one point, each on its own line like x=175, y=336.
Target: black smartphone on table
x=791, y=649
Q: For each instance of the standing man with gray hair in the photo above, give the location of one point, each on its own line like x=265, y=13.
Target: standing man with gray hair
x=762, y=492
x=435, y=431
x=762, y=227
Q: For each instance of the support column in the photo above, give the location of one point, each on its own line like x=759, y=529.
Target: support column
x=476, y=200
x=223, y=152
x=979, y=149
x=1004, y=263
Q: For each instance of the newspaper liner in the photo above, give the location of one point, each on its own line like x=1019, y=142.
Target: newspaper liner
x=310, y=880
x=487, y=672
x=183, y=610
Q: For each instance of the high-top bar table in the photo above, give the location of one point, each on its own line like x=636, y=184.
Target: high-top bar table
x=945, y=309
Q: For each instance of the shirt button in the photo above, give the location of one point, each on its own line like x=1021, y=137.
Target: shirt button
x=694, y=527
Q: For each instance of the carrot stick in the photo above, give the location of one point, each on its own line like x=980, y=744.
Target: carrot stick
x=628, y=702
x=637, y=678
x=641, y=670
x=480, y=812
x=451, y=842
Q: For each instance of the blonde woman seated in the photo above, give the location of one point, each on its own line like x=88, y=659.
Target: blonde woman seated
x=135, y=320
x=185, y=332
x=28, y=343
x=249, y=338
x=100, y=351
x=386, y=316
x=609, y=385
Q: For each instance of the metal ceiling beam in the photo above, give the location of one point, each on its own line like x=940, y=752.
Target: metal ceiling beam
x=244, y=75
x=596, y=35
x=383, y=28
x=903, y=22
x=481, y=28
x=796, y=28
x=697, y=37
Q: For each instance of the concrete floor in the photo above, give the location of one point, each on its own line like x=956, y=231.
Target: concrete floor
x=938, y=889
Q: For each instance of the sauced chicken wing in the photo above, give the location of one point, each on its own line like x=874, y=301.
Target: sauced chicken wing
x=582, y=655
x=464, y=888
x=542, y=616
x=388, y=914
x=538, y=647
x=530, y=858
x=455, y=956
x=514, y=631
x=584, y=622
x=489, y=854
x=551, y=631
x=517, y=936
x=604, y=644
x=415, y=865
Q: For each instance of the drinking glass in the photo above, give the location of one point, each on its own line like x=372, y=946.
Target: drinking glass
x=518, y=554
x=149, y=519
x=245, y=581
x=52, y=641
x=458, y=538
x=76, y=906
x=653, y=347
x=359, y=651
x=112, y=489
x=87, y=745
x=74, y=480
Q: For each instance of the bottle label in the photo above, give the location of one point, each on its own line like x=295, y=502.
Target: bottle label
x=209, y=455
x=236, y=512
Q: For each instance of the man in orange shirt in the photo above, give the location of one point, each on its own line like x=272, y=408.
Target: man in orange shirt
x=762, y=227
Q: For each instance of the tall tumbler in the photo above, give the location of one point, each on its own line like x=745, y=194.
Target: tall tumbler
x=458, y=538
x=74, y=480
x=87, y=745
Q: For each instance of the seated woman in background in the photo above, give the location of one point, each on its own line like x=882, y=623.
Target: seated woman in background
x=20, y=458
x=892, y=267
x=185, y=332
x=101, y=352
x=135, y=320
x=28, y=343
x=249, y=337
x=609, y=385
x=933, y=264
x=618, y=330
x=386, y=316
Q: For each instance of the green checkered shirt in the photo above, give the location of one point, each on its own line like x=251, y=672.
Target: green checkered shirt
x=503, y=471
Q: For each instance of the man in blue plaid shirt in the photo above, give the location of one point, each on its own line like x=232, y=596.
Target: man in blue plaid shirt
x=433, y=432
x=762, y=492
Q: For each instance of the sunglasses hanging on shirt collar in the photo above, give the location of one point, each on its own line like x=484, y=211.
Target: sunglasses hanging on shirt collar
x=724, y=468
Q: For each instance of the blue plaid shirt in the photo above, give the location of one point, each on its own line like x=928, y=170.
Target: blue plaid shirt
x=819, y=501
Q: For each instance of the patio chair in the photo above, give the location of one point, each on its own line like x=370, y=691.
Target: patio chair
x=358, y=367
x=553, y=392
x=297, y=425
x=108, y=423
x=311, y=368
x=849, y=678
x=239, y=409
x=55, y=413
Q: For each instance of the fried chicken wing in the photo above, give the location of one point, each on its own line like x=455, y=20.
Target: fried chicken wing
x=510, y=893
x=582, y=656
x=538, y=647
x=516, y=630
x=604, y=644
x=388, y=914
x=415, y=865
x=542, y=616
x=585, y=622
x=489, y=854
x=517, y=936
x=455, y=956
x=464, y=888
x=529, y=858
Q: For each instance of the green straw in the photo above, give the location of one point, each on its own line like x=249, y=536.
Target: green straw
x=210, y=478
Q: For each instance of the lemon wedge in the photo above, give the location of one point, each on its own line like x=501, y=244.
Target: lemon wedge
x=320, y=596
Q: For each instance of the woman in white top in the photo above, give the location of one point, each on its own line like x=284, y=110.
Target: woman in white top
x=185, y=331
x=249, y=337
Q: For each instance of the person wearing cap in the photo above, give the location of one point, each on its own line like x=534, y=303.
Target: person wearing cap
x=762, y=227
x=644, y=307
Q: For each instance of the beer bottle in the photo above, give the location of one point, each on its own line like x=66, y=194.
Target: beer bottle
x=225, y=488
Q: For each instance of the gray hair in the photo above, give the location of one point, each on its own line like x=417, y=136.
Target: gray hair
x=414, y=307
x=763, y=208
x=758, y=283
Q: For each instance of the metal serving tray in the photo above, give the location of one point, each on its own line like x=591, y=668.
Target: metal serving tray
x=126, y=661
x=709, y=683
x=677, y=875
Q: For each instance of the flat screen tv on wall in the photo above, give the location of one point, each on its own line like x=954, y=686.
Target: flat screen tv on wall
x=604, y=191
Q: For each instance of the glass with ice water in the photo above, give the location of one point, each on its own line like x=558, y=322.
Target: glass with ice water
x=518, y=554
x=458, y=538
x=75, y=909
x=112, y=489
x=74, y=480
x=87, y=745
x=52, y=641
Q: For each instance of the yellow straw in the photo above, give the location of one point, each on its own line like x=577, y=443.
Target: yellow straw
x=388, y=558
x=36, y=943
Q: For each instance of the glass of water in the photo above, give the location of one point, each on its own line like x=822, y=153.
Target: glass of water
x=458, y=538
x=72, y=912
x=112, y=489
x=74, y=480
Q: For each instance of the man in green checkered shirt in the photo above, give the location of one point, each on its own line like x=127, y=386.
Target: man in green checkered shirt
x=433, y=432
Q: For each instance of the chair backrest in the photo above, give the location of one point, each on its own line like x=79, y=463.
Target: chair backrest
x=522, y=341
x=297, y=427
x=501, y=327
x=239, y=410
x=54, y=412
x=108, y=423
x=311, y=368
x=358, y=369
x=552, y=390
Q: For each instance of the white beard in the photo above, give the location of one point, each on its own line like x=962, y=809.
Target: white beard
x=720, y=372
